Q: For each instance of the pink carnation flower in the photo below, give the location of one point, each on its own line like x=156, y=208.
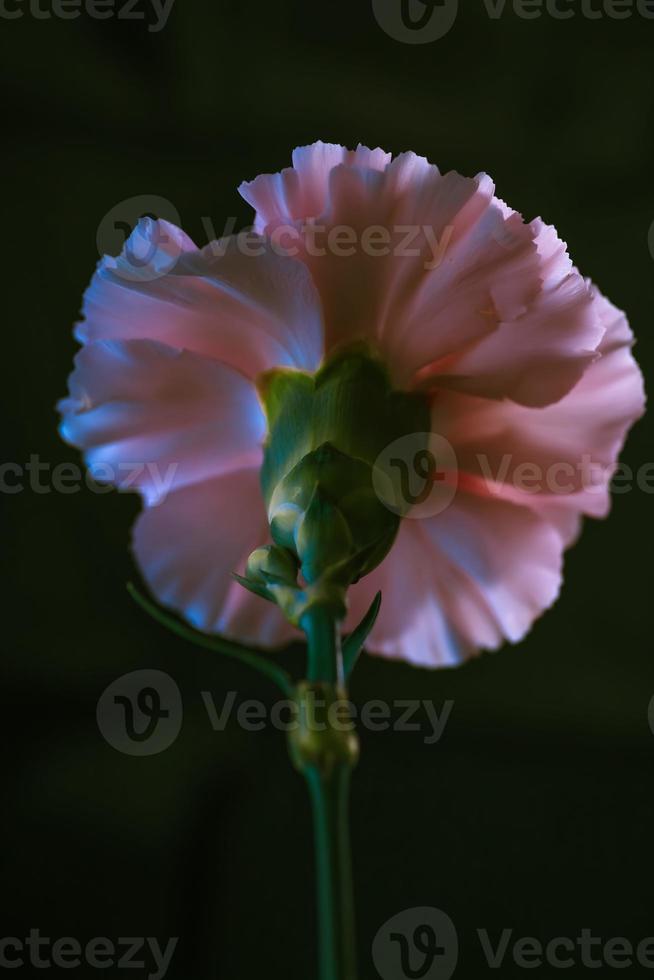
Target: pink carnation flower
x=524, y=362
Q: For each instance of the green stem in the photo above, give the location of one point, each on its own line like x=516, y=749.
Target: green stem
x=329, y=784
x=325, y=653
x=330, y=799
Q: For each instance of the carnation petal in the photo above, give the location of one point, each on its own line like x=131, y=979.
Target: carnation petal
x=537, y=357
x=188, y=546
x=562, y=456
x=466, y=579
x=236, y=300
x=154, y=418
x=300, y=192
x=460, y=292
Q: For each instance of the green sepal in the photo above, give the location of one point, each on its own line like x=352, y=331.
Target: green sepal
x=349, y=403
x=322, y=537
x=288, y=398
x=354, y=643
x=254, y=587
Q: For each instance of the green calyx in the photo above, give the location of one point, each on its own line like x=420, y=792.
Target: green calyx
x=328, y=524
x=327, y=513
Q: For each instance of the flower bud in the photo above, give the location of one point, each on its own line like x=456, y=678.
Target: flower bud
x=326, y=511
x=269, y=564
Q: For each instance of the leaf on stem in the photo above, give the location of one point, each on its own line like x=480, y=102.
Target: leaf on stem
x=217, y=644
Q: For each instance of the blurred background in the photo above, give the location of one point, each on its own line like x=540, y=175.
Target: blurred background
x=534, y=810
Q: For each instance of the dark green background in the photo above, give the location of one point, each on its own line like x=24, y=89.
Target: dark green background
x=535, y=810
